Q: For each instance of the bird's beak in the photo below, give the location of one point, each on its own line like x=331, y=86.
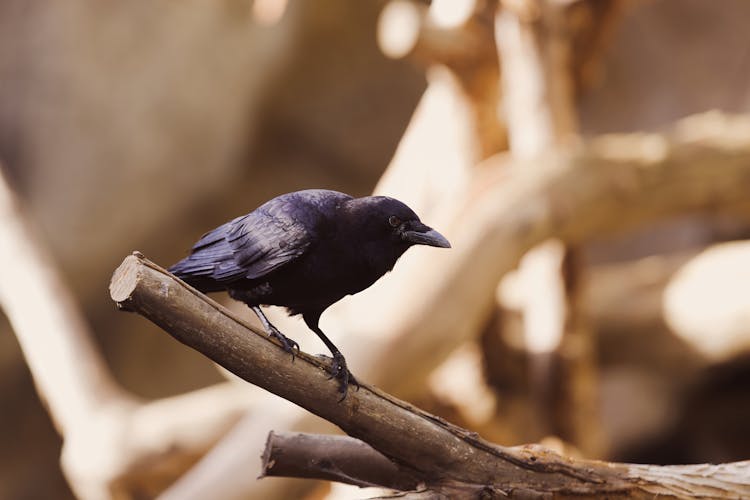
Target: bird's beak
x=426, y=236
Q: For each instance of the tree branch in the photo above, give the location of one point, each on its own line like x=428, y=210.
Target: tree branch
x=444, y=453
x=333, y=458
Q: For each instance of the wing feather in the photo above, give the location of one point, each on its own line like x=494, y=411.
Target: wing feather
x=256, y=244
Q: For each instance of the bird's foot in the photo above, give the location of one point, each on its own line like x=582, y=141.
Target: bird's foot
x=287, y=344
x=340, y=372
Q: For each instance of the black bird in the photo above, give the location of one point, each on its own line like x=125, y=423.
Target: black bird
x=306, y=250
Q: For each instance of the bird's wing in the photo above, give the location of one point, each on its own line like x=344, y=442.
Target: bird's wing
x=251, y=246
x=211, y=251
x=266, y=239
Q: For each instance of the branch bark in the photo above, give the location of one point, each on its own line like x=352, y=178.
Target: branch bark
x=333, y=458
x=447, y=455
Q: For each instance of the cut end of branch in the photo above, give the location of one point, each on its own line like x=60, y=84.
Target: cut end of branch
x=266, y=462
x=125, y=279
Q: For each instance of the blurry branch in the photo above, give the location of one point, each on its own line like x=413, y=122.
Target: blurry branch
x=581, y=31
x=534, y=47
x=614, y=183
x=407, y=29
x=628, y=296
x=333, y=458
x=589, y=27
x=451, y=460
x=111, y=441
x=537, y=84
x=68, y=370
x=268, y=12
x=345, y=459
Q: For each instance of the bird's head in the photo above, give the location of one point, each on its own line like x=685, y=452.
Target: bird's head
x=391, y=220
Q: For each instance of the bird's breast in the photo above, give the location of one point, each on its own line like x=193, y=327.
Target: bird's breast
x=325, y=274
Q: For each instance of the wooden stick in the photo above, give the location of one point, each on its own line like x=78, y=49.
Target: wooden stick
x=444, y=453
x=333, y=458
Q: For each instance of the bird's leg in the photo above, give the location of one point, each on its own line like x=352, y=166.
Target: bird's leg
x=339, y=370
x=288, y=344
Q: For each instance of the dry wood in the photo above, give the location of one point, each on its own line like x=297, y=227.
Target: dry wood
x=447, y=455
x=333, y=458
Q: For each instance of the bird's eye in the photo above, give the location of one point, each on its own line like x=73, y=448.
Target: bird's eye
x=394, y=221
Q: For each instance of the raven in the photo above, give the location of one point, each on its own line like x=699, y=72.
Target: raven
x=305, y=250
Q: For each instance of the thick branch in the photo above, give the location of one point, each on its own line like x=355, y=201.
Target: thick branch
x=440, y=451
x=333, y=458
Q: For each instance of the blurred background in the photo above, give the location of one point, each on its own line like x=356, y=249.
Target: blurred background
x=141, y=124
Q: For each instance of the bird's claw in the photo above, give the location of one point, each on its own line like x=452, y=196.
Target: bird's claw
x=287, y=344
x=340, y=371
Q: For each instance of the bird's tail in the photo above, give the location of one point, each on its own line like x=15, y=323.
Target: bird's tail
x=197, y=269
x=192, y=271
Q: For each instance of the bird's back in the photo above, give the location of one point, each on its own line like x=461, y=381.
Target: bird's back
x=247, y=249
